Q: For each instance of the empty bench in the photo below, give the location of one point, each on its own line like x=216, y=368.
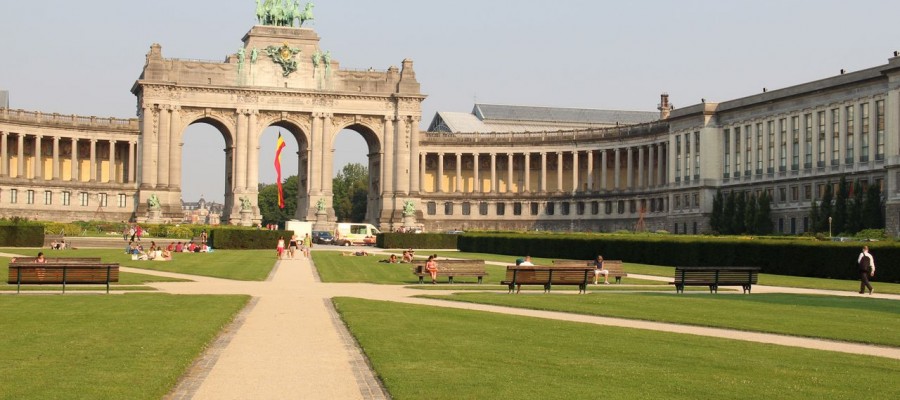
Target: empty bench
x=25, y=272
x=714, y=277
x=516, y=276
x=613, y=266
x=454, y=268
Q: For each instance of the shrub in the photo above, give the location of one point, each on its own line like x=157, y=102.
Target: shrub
x=55, y=228
x=417, y=241
x=231, y=238
x=21, y=235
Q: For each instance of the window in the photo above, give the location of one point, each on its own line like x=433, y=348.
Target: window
x=609, y=207
x=677, y=201
x=621, y=206
x=67, y=198
x=783, y=149
x=550, y=208
x=29, y=196
x=84, y=197
x=564, y=208
x=795, y=143
x=771, y=131
x=835, y=136
x=448, y=208
x=517, y=208
x=103, y=200
x=748, y=143
x=697, y=154
x=821, y=156
x=501, y=208
x=535, y=208
x=795, y=193
x=727, y=163
x=687, y=156
x=864, y=132
x=695, y=200
x=579, y=208
x=807, y=192
x=632, y=206
x=678, y=158
x=737, y=151
x=759, y=148
x=782, y=194
x=879, y=130
x=808, y=141
x=595, y=207
x=48, y=197
x=483, y=208
x=122, y=200
x=849, y=124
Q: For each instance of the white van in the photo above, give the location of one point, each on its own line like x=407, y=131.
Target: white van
x=348, y=234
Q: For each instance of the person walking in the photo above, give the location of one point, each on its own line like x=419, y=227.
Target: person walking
x=866, y=269
x=279, y=248
x=307, y=244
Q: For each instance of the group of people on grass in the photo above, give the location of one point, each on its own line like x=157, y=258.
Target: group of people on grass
x=294, y=246
x=160, y=253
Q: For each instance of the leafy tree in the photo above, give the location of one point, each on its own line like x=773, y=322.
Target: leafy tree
x=268, y=201
x=854, y=211
x=873, y=209
x=351, y=193
x=715, y=219
x=826, y=208
x=750, y=215
x=728, y=215
x=764, y=215
x=839, y=222
x=740, y=212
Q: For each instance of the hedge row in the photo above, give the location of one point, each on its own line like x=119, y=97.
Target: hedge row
x=835, y=260
x=21, y=235
x=416, y=241
x=225, y=238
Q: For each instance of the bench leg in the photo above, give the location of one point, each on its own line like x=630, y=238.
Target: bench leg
x=479, y=280
x=451, y=279
x=679, y=288
x=421, y=279
x=618, y=279
x=746, y=289
x=714, y=288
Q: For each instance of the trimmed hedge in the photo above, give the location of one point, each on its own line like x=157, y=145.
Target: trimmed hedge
x=225, y=238
x=22, y=235
x=835, y=260
x=416, y=241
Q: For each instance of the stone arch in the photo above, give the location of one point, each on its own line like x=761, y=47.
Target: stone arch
x=297, y=126
x=369, y=130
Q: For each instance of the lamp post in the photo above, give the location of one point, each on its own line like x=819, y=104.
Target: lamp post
x=829, y=227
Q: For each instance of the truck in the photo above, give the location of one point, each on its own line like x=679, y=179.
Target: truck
x=346, y=234
x=300, y=228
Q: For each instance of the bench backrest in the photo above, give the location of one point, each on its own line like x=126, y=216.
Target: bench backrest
x=720, y=275
x=614, y=266
x=447, y=266
x=54, y=260
x=553, y=275
x=33, y=273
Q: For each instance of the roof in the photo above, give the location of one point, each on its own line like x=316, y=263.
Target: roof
x=504, y=118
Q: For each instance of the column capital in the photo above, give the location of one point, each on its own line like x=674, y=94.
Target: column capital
x=459, y=154
x=93, y=141
x=441, y=154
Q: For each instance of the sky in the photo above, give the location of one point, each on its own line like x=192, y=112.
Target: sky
x=82, y=57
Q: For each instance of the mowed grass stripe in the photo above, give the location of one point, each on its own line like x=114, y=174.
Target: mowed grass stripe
x=438, y=353
x=852, y=319
x=134, y=346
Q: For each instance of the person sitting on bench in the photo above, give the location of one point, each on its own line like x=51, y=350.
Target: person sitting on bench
x=598, y=270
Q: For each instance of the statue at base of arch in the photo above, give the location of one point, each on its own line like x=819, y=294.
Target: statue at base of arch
x=245, y=204
x=153, y=202
x=320, y=205
x=409, y=208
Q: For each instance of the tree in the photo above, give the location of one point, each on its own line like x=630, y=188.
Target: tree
x=854, y=211
x=873, y=209
x=814, y=216
x=764, y=215
x=715, y=219
x=268, y=201
x=350, y=188
x=839, y=223
x=750, y=215
x=728, y=215
x=826, y=208
x=740, y=212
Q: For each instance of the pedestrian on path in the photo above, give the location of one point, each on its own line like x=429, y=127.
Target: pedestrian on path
x=866, y=269
x=279, y=248
x=307, y=244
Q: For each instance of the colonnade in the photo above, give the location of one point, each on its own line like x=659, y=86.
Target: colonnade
x=67, y=158
x=632, y=168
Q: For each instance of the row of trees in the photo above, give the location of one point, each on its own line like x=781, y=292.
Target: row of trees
x=852, y=209
x=740, y=213
x=350, y=197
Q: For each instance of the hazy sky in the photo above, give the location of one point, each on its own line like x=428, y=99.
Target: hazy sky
x=82, y=57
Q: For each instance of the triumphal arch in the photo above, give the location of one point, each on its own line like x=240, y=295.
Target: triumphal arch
x=279, y=77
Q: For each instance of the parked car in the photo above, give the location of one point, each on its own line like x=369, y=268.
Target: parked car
x=322, y=237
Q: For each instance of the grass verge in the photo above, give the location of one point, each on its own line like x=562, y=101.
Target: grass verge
x=827, y=317
x=460, y=354
x=134, y=346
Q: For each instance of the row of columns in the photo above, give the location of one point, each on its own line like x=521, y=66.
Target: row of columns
x=640, y=171
x=56, y=175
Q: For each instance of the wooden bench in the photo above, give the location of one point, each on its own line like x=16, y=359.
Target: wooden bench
x=62, y=272
x=453, y=268
x=613, y=266
x=516, y=276
x=715, y=277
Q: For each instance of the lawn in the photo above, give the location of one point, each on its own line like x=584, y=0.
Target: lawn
x=134, y=346
x=243, y=265
x=437, y=353
x=829, y=317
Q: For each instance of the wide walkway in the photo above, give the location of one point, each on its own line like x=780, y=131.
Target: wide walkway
x=289, y=343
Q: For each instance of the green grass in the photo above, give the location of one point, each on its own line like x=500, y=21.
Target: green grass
x=134, y=346
x=243, y=265
x=436, y=353
x=333, y=267
x=829, y=317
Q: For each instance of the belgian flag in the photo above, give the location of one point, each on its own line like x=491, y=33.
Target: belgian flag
x=279, y=145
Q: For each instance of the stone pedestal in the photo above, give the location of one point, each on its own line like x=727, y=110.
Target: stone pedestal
x=154, y=216
x=409, y=221
x=322, y=223
x=246, y=217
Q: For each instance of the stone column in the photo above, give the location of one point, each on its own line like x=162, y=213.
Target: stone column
x=389, y=167
x=509, y=177
x=240, y=154
x=640, y=168
x=93, y=160
x=543, y=172
x=176, y=144
x=162, y=150
x=4, y=154
x=527, y=188
x=604, y=159
x=414, y=150
x=20, y=161
x=559, y=171
x=440, y=174
x=590, y=171
x=575, y=181
x=477, y=176
x=423, y=158
x=132, y=147
x=76, y=170
x=253, y=153
x=617, y=171
x=38, y=165
x=660, y=164
x=315, y=162
x=493, y=173
x=629, y=169
x=112, y=162
x=55, y=171
x=147, y=163
x=459, y=179
x=327, y=155
x=650, y=172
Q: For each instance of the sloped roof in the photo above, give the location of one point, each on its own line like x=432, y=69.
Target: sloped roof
x=488, y=112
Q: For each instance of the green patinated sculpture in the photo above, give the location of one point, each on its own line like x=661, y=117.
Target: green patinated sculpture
x=284, y=56
x=254, y=54
x=241, y=56
x=320, y=205
x=153, y=202
x=245, y=203
x=409, y=209
x=307, y=13
x=282, y=12
x=326, y=58
x=317, y=59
